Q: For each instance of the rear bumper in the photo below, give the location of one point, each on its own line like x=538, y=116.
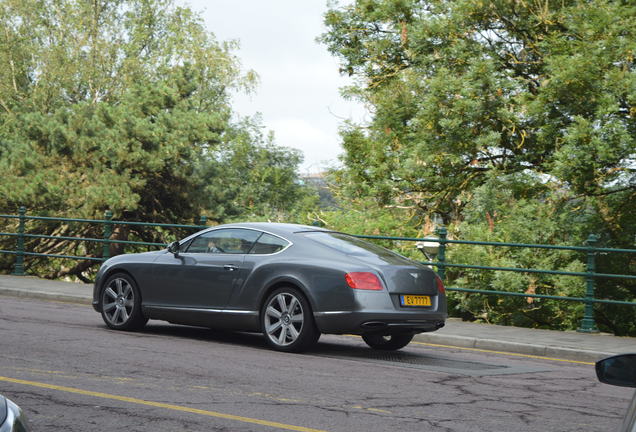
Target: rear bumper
x=377, y=323
x=380, y=327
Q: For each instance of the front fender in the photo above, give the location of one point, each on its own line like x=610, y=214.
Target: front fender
x=138, y=266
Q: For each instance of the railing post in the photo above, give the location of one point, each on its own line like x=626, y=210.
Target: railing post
x=108, y=231
x=203, y=220
x=588, y=324
x=18, y=269
x=441, y=253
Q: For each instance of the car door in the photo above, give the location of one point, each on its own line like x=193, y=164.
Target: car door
x=204, y=274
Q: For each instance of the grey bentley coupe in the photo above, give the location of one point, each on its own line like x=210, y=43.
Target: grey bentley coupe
x=290, y=282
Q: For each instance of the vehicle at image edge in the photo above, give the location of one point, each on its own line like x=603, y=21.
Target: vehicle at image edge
x=290, y=282
x=620, y=370
x=12, y=419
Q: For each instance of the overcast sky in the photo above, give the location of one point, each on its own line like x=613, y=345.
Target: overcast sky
x=298, y=95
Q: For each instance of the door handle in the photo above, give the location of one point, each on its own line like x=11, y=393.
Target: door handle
x=229, y=267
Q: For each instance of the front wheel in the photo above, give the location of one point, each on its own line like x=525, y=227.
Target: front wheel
x=287, y=321
x=390, y=342
x=121, y=303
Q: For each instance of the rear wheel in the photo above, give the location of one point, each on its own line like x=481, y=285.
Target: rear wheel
x=389, y=342
x=287, y=321
x=121, y=303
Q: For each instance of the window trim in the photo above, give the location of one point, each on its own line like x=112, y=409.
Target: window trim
x=289, y=243
x=190, y=238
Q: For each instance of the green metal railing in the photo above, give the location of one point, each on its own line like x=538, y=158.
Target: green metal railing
x=108, y=223
x=588, y=323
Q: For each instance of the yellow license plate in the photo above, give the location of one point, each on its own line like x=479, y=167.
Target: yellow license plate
x=415, y=300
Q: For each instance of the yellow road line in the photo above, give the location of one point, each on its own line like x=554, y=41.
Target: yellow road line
x=160, y=405
x=504, y=353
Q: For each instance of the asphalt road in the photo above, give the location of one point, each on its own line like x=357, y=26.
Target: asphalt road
x=61, y=364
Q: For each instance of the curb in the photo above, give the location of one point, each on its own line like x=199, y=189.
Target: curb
x=512, y=347
x=42, y=295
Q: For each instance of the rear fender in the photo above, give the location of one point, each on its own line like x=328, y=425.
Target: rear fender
x=287, y=280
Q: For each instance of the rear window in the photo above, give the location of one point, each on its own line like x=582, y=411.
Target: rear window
x=350, y=245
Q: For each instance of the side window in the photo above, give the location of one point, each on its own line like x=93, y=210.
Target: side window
x=224, y=241
x=198, y=245
x=269, y=244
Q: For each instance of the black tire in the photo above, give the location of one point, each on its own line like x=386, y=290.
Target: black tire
x=390, y=342
x=287, y=321
x=121, y=303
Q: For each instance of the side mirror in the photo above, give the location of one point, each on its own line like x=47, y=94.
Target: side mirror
x=174, y=248
x=619, y=370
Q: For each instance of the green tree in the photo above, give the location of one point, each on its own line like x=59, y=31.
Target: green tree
x=462, y=88
x=252, y=177
x=106, y=103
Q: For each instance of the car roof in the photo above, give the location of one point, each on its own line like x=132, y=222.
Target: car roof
x=273, y=227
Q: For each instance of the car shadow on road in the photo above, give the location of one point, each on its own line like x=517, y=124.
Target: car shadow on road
x=254, y=340
x=328, y=345
x=344, y=348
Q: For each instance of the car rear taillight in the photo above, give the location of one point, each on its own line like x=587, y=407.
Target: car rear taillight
x=440, y=285
x=363, y=281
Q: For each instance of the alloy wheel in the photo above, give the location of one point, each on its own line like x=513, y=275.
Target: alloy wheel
x=284, y=318
x=118, y=301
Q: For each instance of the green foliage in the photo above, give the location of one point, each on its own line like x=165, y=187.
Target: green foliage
x=251, y=177
x=133, y=157
x=106, y=106
x=495, y=213
x=463, y=88
x=367, y=219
